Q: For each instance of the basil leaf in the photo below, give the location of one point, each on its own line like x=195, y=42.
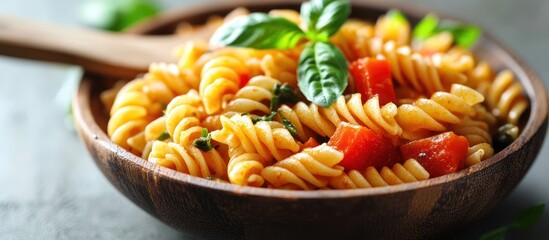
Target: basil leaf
x=322, y=73
x=464, y=35
x=426, y=27
x=496, y=234
x=204, y=142
x=259, y=31
x=324, y=17
x=529, y=216
x=288, y=125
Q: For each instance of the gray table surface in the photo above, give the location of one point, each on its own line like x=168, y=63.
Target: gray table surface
x=50, y=188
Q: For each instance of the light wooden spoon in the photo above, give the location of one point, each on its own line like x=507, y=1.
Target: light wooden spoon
x=98, y=52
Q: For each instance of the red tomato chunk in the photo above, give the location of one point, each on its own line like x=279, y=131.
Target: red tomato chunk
x=373, y=77
x=363, y=147
x=440, y=154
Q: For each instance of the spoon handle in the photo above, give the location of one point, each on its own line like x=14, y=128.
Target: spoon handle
x=99, y=52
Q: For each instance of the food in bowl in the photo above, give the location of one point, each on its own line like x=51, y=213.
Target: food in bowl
x=313, y=100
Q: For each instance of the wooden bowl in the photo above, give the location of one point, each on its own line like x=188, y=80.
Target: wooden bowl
x=208, y=209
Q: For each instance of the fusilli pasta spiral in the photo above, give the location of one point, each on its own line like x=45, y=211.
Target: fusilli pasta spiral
x=188, y=159
x=425, y=115
x=409, y=171
x=324, y=121
x=267, y=138
x=308, y=169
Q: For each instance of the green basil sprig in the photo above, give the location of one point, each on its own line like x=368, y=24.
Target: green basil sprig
x=260, y=31
x=319, y=74
x=324, y=17
x=322, y=70
x=464, y=35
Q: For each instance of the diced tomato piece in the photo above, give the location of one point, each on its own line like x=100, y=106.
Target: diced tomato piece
x=244, y=79
x=373, y=76
x=311, y=143
x=363, y=147
x=440, y=154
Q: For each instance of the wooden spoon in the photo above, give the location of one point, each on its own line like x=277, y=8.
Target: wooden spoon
x=99, y=52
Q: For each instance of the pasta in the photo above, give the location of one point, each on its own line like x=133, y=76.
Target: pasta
x=409, y=171
x=324, y=121
x=306, y=169
x=188, y=159
x=267, y=138
x=505, y=98
x=235, y=114
x=426, y=115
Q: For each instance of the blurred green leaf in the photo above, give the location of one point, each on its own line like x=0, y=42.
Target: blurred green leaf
x=116, y=15
x=464, y=35
x=496, y=234
x=528, y=217
x=426, y=27
x=397, y=16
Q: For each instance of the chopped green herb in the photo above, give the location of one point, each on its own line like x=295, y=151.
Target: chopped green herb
x=286, y=93
x=269, y=117
x=288, y=125
x=204, y=142
x=274, y=103
x=163, y=136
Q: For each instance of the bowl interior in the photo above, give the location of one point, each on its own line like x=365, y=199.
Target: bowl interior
x=488, y=49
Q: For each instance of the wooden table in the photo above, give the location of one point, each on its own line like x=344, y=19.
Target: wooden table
x=50, y=188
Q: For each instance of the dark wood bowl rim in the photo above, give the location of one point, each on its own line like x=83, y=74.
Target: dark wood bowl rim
x=533, y=86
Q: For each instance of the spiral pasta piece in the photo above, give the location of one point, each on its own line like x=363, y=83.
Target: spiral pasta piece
x=409, y=171
x=179, y=81
x=267, y=138
x=430, y=115
x=505, y=98
x=479, y=138
x=306, y=170
x=352, y=37
x=220, y=79
x=388, y=29
x=245, y=168
x=188, y=159
x=280, y=66
x=133, y=108
x=255, y=97
x=190, y=52
x=324, y=121
x=183, y=116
